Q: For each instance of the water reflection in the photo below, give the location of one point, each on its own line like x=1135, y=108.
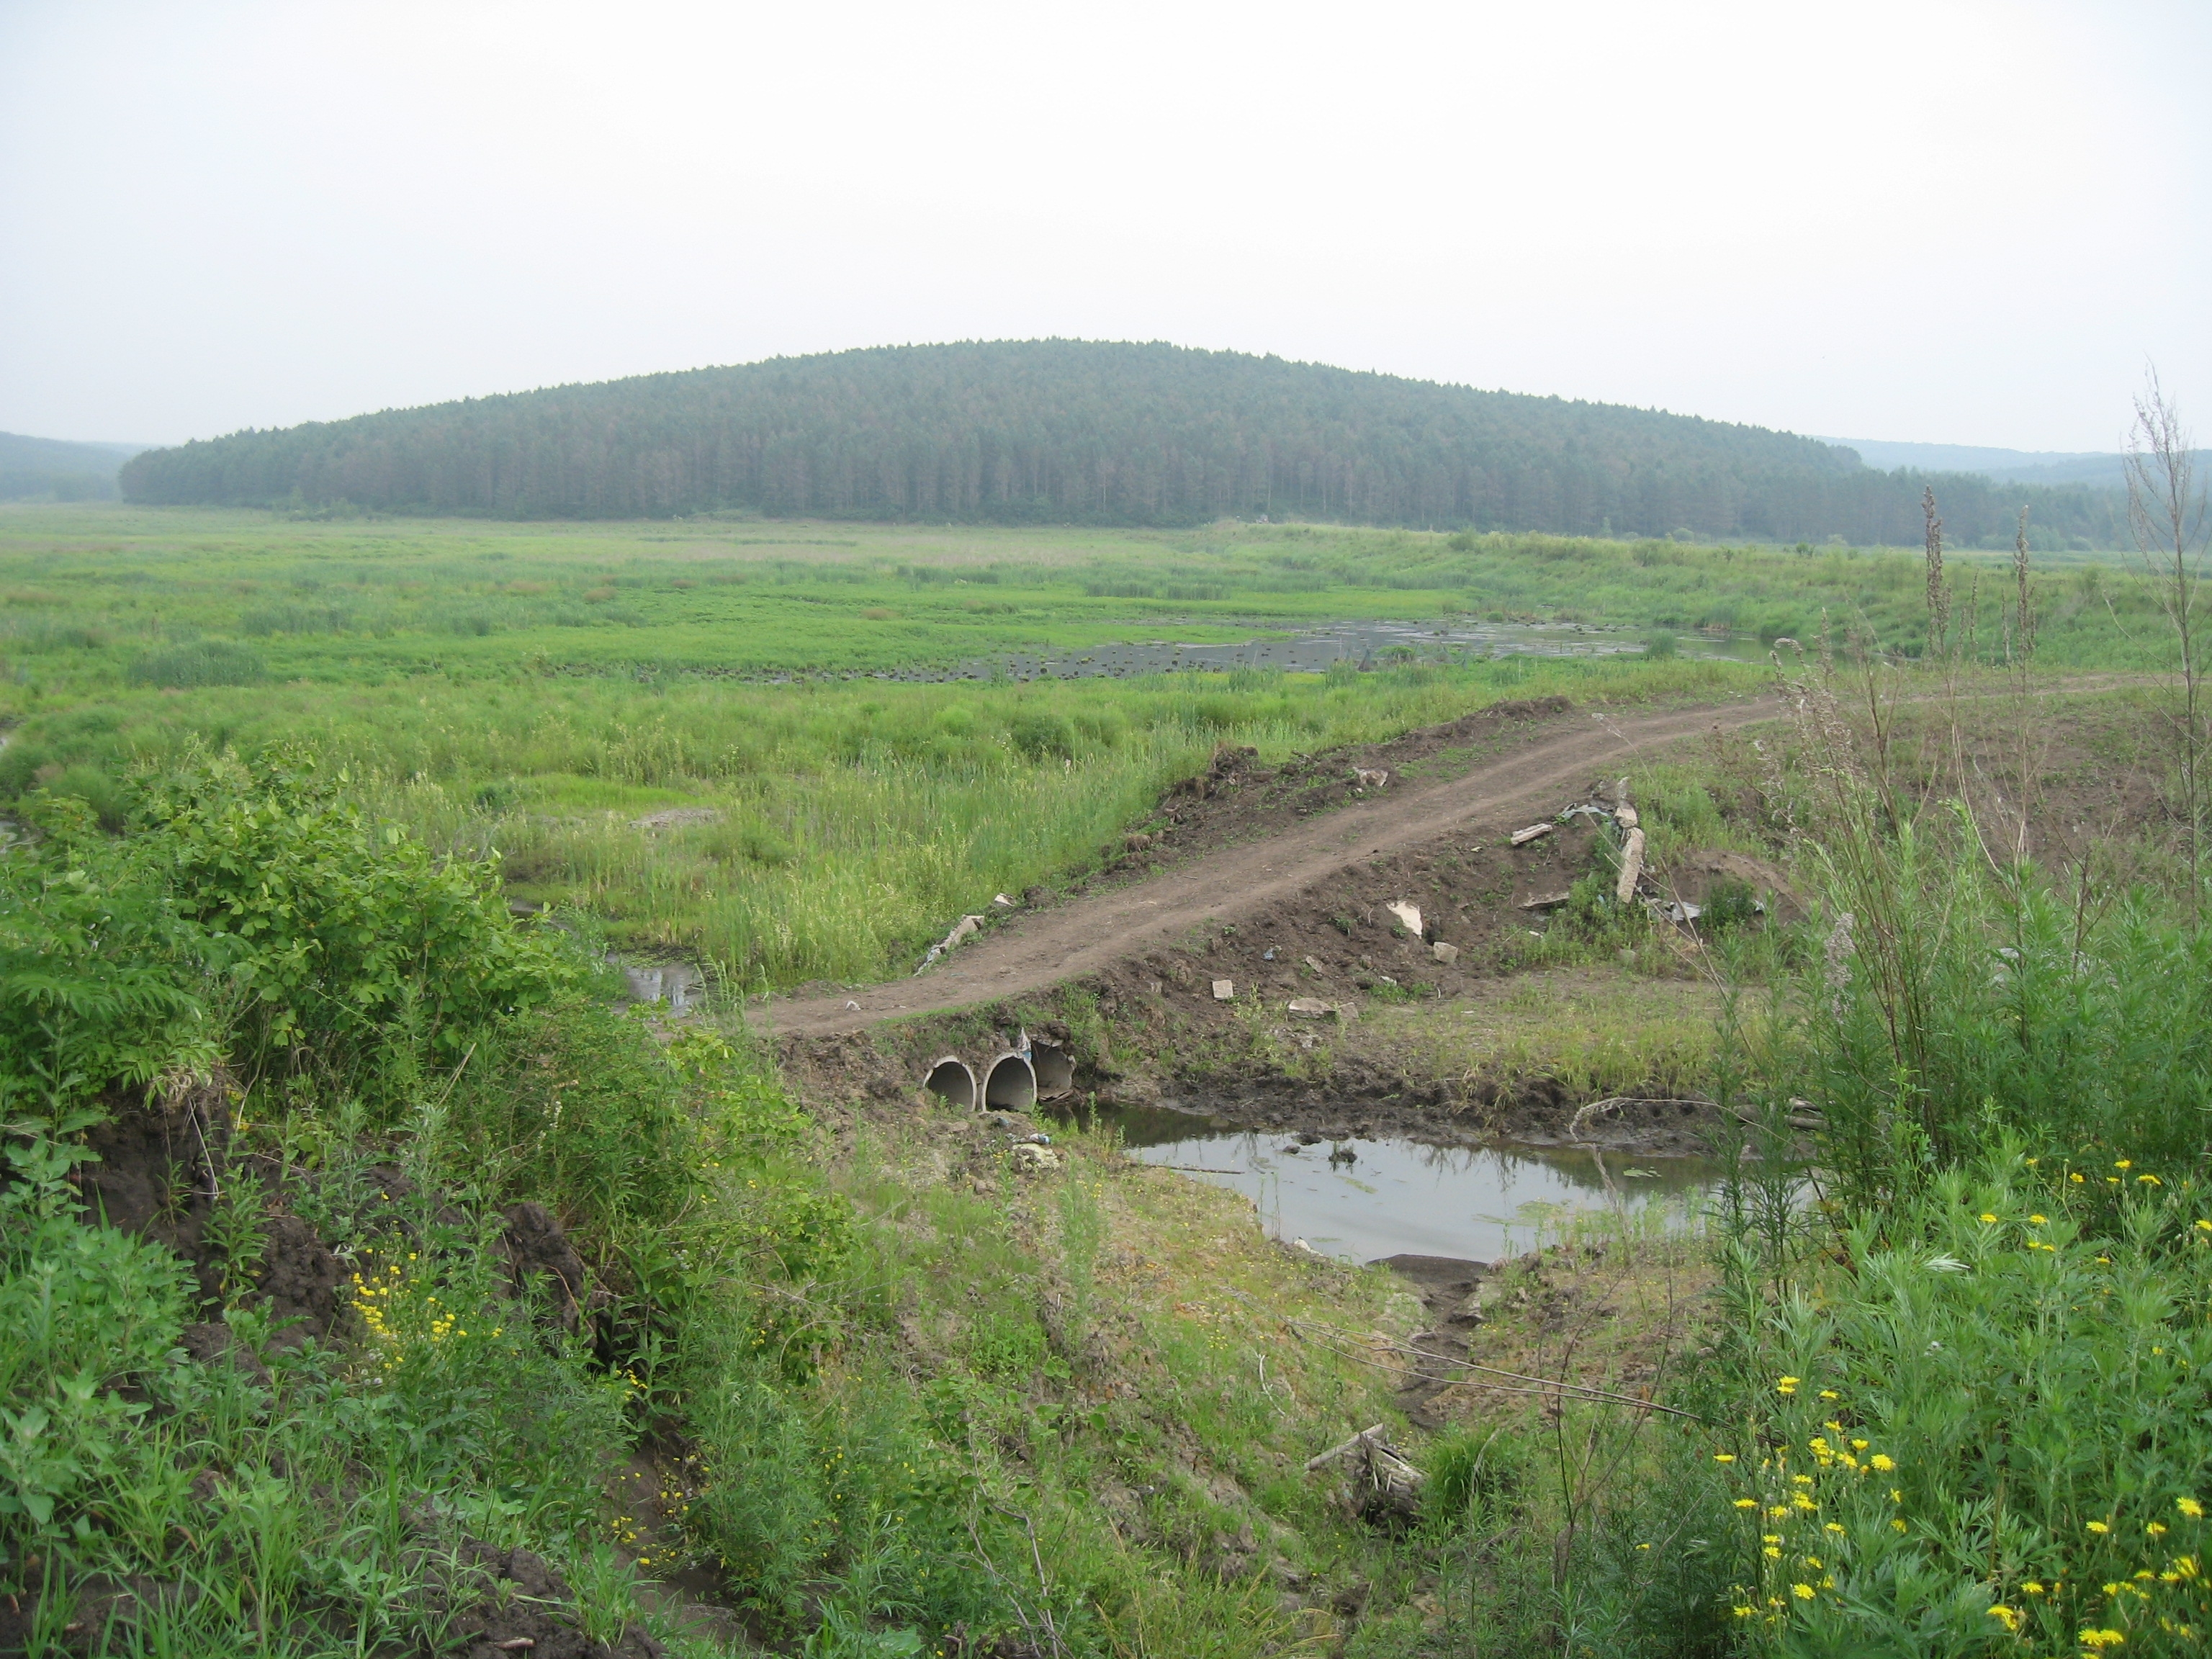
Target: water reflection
x=1360, y=1198
x=1376, y=644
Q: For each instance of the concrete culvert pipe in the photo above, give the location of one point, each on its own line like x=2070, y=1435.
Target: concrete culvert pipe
x=1054, y=1068
x=1011, y=1084
x=950, y=1079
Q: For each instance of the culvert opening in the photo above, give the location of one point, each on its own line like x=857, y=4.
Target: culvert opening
x=1054, y=1067
x=950, y=1079
x=1010, y=1084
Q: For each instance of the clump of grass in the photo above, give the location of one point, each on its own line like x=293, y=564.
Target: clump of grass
x=201, y=663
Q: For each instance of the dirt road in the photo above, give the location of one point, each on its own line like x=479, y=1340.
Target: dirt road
x=1047, y=946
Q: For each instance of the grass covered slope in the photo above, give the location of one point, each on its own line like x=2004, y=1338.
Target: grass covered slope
x=370, y=1286
x=1078, y=432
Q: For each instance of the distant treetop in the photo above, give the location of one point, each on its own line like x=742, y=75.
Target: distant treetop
x=1083, y=432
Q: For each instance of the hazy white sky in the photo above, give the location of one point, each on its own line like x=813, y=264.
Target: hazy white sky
x=1932, y=221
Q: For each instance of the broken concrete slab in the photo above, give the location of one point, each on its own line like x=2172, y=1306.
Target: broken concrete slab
x=1547, y=901
x=1632, y=867
x=1406, y=912
x=1445, y=953
x=966, y=928
x=1224, y=990
x=1534, y=832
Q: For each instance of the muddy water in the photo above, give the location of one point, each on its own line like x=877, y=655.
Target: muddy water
x=1369, y=643
x=1361, y=1199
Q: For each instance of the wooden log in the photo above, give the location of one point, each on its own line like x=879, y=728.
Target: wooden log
x=1365, y=1436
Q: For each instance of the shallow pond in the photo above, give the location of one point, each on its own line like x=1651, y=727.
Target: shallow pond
x=1361, y=1199
x=1312, y=650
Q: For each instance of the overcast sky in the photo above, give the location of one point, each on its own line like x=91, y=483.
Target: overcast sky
x=1954, y=222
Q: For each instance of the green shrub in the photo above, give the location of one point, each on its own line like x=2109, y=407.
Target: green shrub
x=1730, y=904
x=1040, y=735
x=1969, y=1432
x=350, y=941
x=102, y=981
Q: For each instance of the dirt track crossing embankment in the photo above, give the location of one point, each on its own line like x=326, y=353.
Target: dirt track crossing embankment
x=1041, y=948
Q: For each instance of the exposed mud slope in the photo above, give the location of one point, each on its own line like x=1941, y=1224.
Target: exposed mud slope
x=1241, y=876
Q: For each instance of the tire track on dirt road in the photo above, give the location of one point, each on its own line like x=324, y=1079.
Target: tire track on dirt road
x=1048, y=947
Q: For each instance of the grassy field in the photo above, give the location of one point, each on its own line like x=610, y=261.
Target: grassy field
x=886, y=1388
x=539, y=689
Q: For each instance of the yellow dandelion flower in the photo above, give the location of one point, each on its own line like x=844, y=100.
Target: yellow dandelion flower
x=2190, y=1507
x=1883, y=1462
x=1988, y=1219
x=1802, y=1592
x=2098, y=1527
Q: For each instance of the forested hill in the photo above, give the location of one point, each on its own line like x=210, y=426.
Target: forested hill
x=1066, y=431
x=50, y=469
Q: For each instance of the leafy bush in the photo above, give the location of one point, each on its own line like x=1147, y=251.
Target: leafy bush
x=1039, y=735
x=348, y=939
x=1968, y=1429
x=102, y=980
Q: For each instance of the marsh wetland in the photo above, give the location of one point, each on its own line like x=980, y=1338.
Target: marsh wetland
x=400, y=1268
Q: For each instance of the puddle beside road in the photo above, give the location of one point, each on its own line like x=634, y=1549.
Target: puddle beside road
x=1387, y=1197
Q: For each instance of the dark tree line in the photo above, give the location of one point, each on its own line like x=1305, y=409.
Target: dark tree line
x=1063, y=431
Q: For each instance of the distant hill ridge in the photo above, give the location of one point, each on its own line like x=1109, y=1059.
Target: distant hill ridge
x=56, y=470
x=1070, y=431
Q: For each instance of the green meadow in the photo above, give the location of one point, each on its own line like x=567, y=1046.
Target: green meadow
x=1917, y=1382
x=534, y=689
